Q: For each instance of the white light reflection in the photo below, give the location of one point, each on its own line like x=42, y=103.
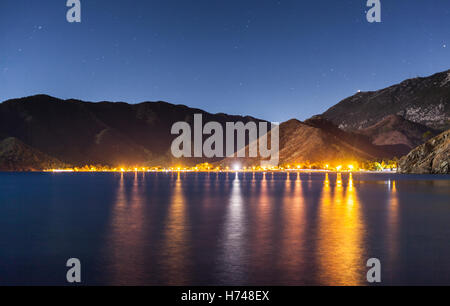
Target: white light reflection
x=233, y=242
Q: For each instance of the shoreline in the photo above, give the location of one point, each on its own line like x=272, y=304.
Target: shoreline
x=224, y=171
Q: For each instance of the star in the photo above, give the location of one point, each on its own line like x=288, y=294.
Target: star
x=444, y=46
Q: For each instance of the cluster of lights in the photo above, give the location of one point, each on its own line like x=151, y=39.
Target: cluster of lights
x=205, y=168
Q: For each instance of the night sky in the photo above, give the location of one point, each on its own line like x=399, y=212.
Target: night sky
x=275, y=60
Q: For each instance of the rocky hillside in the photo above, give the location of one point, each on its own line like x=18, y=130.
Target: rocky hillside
x=318, y=141
x=431, y=157
x=421, y=100
x=395, y=130
x=17, y=156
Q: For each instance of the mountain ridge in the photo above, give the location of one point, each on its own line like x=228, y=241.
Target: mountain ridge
x=424, y=100
x=318, y=142
x=108, y=133
x=369, y=125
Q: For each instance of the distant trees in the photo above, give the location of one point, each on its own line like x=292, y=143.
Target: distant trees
x=381, y=165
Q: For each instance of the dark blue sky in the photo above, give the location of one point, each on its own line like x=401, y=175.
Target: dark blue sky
x=271, y=59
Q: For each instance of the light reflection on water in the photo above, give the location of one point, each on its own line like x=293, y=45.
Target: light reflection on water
x=175, y=247
x=292, y=242
x=227, y=228
x=341, y=233
x=232, y=244
x=127, y=229
x=392, y=224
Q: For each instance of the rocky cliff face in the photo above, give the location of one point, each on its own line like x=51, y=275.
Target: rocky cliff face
x=420, y=100
x=430, y=157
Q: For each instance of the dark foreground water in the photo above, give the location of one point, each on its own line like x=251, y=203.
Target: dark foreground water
x=224, y=229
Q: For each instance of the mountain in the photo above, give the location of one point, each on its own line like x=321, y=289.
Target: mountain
x=395, y=130
x=318, y=141
x=107, y=133
x=358, y=140
x=322, y=142
x=430, y=157
x=421, y=100
x=367, y=126
x=17, y=156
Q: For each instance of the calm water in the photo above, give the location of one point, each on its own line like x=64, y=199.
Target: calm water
x=214, y=229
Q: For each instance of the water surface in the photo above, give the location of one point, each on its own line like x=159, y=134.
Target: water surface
x=224, y=229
